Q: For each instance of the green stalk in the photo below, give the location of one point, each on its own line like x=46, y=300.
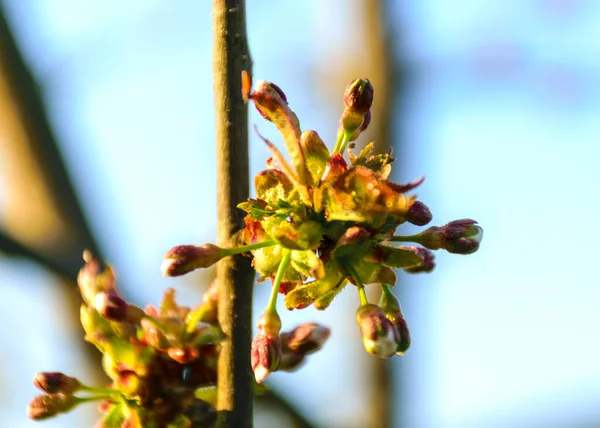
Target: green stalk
x=359, y=284
x=285, y=261
x=247, y=248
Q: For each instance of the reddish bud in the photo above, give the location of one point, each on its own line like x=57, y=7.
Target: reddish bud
x=265, y=355
x=359, y=95
x=110, y=305
x=48, y=405
x=183, y=355
x=393, y=312
x=54, y=382
x=419, y=214
x=458, y=237
x=306, y=338
x=379, y=335
x=428, y=263
x=186, y=258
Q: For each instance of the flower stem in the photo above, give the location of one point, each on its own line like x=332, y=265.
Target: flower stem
x=272, y=305
x=249, y=247
x=409, y=238
x=102, y=393
x=343, y=138
x=359, y=284
x=338, y=142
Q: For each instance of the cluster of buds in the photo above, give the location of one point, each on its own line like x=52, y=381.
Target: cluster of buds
x=319, y=222
x=161, y=361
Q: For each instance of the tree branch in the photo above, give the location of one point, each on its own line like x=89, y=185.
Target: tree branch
x=230, y=56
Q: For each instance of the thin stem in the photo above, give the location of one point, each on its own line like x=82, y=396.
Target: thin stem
x=359, y=284
x=285, y=261
x=345, y=140
x=338, y=141
x=105, y=392
x=82, y=400
x=247, y=248
x=409, y=238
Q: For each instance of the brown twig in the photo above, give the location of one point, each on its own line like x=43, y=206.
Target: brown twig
x=231, y=56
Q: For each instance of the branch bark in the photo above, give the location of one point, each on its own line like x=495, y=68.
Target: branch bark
x=230, y=56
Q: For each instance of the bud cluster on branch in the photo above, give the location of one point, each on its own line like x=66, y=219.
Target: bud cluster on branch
x=317, y=224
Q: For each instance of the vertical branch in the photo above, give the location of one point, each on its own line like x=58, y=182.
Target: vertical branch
x=230, y=57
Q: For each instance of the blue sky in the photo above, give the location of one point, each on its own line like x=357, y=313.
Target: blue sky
x=502, y=120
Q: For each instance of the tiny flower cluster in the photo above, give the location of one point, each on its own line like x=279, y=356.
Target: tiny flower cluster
x=162, y=361
x=318, y=223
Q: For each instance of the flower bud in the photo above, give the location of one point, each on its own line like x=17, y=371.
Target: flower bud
x=152, y=335
x=110, y=305
x=428, y=263
x=393, y=312
x=306, y=338
x=400, y=322
x=183, y=355
x=265, y=355
x=418, y=214
x=358, y=96
x=379, y=336
x=54, y=382
x=47, y=405
x=185, y=258
x=93, y=278
x=458, y=237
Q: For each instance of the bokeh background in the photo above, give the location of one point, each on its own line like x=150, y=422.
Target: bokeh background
x=107, y=142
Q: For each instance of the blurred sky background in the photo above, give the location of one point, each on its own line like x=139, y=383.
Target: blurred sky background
x=501, y=114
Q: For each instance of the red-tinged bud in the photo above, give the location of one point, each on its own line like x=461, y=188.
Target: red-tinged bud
x=428, y=263
x=400, y=323
x=306, y=338
x=152, y=335
x=54, y=382
x=419, y=214
x=393, y=312
x=110, y=305
x=335, y=167
x=200, y=413
x=265, y=355
x=93, y=278
x=359, y=95
x=269, y=323
x=290, y=361
x=379, y=336
x=186, y=258
x=49, y=405
x=458, y=237
x=267, y=98
x=183, y=355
